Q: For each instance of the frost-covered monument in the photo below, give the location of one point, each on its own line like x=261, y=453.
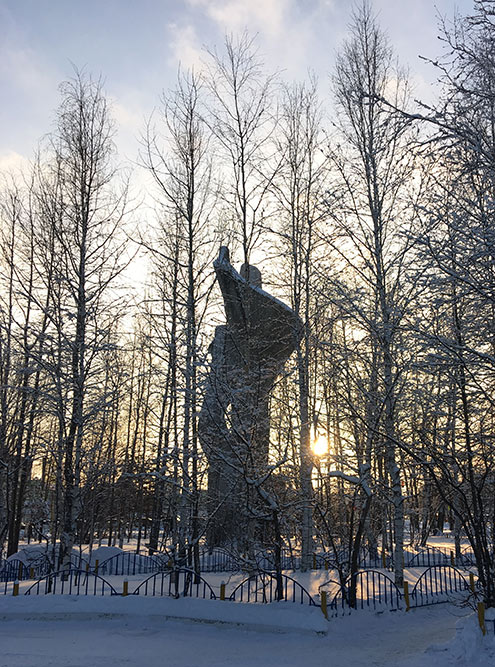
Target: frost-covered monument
x=247, y=355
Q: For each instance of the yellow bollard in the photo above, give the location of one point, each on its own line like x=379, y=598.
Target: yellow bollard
x=452, y=559
x=324, y=610
x=481, y=616
x=96, y=565
x=125, y=590
x=406, y=595
x=15, y=590
x=314, y=561
x=31, y=572
x=222, y=590
x=471, y=582
x=384, y=561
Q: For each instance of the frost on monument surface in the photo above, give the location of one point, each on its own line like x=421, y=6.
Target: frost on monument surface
x=247, y=355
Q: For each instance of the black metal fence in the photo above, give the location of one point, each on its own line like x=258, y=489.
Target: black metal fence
x=428, y=557
x=72, y=582
x=437, y=584
x=130, y=564
x=368, y=589
x=266, y=587
x=176, y=583
x=218, y=560
x=14, y=570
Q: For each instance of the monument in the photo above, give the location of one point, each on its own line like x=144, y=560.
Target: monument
x=247, y=355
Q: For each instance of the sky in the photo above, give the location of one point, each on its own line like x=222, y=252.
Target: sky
x=137, y=46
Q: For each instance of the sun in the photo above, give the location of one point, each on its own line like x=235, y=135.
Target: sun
x=320, y=446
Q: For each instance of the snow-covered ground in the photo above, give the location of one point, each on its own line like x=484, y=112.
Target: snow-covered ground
x=63, y=631
x=56, y=631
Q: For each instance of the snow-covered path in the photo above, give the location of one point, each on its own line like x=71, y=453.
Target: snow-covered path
x=145, y=638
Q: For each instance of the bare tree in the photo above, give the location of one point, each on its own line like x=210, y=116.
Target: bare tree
x=242, y=119
x=374, y=163
x=86, y=226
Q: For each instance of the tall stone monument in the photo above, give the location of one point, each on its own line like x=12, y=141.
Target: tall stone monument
x=247, y=355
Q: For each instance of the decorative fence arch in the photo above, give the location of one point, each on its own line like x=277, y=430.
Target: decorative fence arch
x=130, y=564
x=13, y=570
x=428, y=557
x=437, y=584
x=372, y=589
x=218, y=560
x=71, y=582
x=263, y=587
x=367, y=558
x=176, y=583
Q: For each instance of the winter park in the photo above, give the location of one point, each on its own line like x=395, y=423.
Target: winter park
x=247, y=333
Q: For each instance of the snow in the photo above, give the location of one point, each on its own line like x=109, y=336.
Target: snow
x=69, y=631
x=101, y=554
x=65, y=631
x=468, y=648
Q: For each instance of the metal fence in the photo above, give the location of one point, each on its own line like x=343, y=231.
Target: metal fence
x=437, y=584
x=266, y=587
x=176, y=583
x=428, y=557
x=72, y=582
x=368, y=589
x=14, y=570
x=218, y=560
x=130, y=564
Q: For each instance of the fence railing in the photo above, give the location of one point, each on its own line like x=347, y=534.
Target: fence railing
x=368, y=589
x=18, y=570
x=176, y=583
x=130, y=564
x=267, y=587
x=14, y=570
x=437, y=584
x=428, y=557
x=71, y=582
x=218, y=560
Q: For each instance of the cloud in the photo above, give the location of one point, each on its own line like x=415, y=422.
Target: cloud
x=265, y=16
x=287, y=30
x=185, y=47
x=12, y=162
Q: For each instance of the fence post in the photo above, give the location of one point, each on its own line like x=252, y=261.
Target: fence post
x=481, y=616
x=31, y=572
x=471, y=582
x=384, y=560
x=314, y=561
x=15, y=590
x=96, y=565
x=87, y=567
x=406, y=595
x=20, y=571
x=222, y=590
x=125, y=590
x=452, y=559
x=324, y=609
x=326, y=565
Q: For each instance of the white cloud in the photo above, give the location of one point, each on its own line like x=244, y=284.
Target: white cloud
x=185, y=47
x=126, y=116
x=265, y=16
x=22, y=68
x=12, y=162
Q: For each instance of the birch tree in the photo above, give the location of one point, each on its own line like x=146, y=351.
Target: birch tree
x=87, y=224
x=374, y=165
